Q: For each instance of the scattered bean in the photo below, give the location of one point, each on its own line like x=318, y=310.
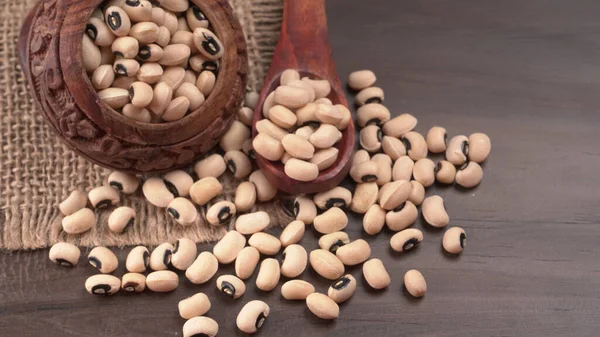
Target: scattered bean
x=415, y=283
x=393, y=147
x=322, y=306
x=252, y=316
x=365, y=196
x=436, y=139
x=370, y=138
x=183, y=254
x=296, y=290
x=293, y=261
x=376, y=275
x=245, y=196
x=162, y=281
x=370, y=95
x=480, y=146
x=102, y=284
x=160, y=259
x=200, y=326
x=211, y=166
x=333, y=241
x=268, y=275
x=64, y=254
x=133, y=282
x=365, y=172
x=103, y=259
x=424, y=172
x=235, y=137
x=264, y=190
x=445, y=172
x=434, y=211
x=121, y=218
x=138, y=260
x=204, y=190
x=455, y=240
x=406, y=240
x=203, y=269
x=79, y=222
x=361, y=79
x=73, y=203
x=246, y=262
x=326, y=264
x=399, y=125
x=374, y=220
x=354, y=253
x=458, y=150
x=195, y=305
x=265, y=243
x=231, y=286
x=401, y=216
x=228, y=248
x=417, y=193
x=384, y=174
x=332, y=220
x=292, y=233
x=342, y=289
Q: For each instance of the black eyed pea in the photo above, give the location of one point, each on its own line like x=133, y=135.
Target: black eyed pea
x=231, y=286
x=365, y=172
x=150, y=53
x=138, y=11
x=91, y=55
x=144, y=32
x=245, y=196
x=301, y=170
x=307, y=115
x=126, y=67
x=469, y=175
x=163, y=94
x=173, y=76
x=160, y=259
x=228, y=248
x=288, y=76
x=178, y=182
x=434, y=211
x=124, y=182
x=458, y=150
x=394, y=194
x=399, y=125
x=64, y=254
x=354, y=253
x=298, y=147
x=370, y=95
x=370, y=138
x=406, y=240
x=140, y=94
x=325, y=137
x=203, y=269
x=121, y=218
x=208, y=44
x=305, y=209
x=103, y=259
x=268, y=104
x=235, y=137
x=125, y=47
x=455, y=240
x=186, y=38
x=324, y=100
x=293, y=261
x=416, y=147
x=282, y=117
x=182, y=26
x=150, y=73
x=103, y=77
x=103, y=196
x=424, y=171
x=325, y=158
x=102, y=284
x=445, y=172
x=156, y=192
x=117, y=20
x=296, y=290
x=376, y=275
x=267, y=127
x=291, y=97
x=196, y=18
x=162, y=281
x=190, y=77
x=417, y=193
x=332, y=220
x=138, y=260
x=436, y=139
x=171, y=22
x=480, y=146
x=245, y=115
x=200, y=326
x=306, y=86
x=402, y=216
x=365, y=196
x=164, y=36
x=292, y=233
x=264, y=190
x=415, y=283
x=372, y=114
x=403, y=168
x=268, y=275
x=326, y=264
x=238, y=163
x=220, y=213
x=246, y=262
x=361, y=79
x=252, y=316
x=322, y=306
x=360, y=156
x=115, y=98
x=322, y=88
x=251, y=223
x=175, y=54
x=266, y=244
x=73, y=203
x=192, y=93
x=342, y=289
x=393, y=147
x=327, y=113
x=176, y=109
x=384, y=174
x=79, y=222
x=374, y=220
x=137, y=114
x=193, y=306
x=133, y=282
x=333, y=241
x=183, y=254
x=204, y=190
x=177, y=6
x=211, y=166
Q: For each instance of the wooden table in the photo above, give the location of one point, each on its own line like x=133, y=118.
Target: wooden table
x=525, y=72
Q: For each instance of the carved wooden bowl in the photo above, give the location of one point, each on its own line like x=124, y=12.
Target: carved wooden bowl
x=50, y=52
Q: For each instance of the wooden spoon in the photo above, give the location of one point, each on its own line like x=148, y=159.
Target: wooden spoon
x=304, y=46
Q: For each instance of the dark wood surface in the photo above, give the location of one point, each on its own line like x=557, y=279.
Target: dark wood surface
x=525, y=72
x=304, y=45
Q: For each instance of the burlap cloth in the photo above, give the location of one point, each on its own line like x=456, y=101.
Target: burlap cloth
x=37, y=171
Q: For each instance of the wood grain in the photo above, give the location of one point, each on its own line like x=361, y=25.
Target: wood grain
x=527, y=73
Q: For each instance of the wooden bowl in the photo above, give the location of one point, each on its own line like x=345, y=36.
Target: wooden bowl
x=50, y=52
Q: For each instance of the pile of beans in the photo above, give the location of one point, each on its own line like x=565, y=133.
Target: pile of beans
x=301, y=126
x=391, y=172
x=153, y=63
